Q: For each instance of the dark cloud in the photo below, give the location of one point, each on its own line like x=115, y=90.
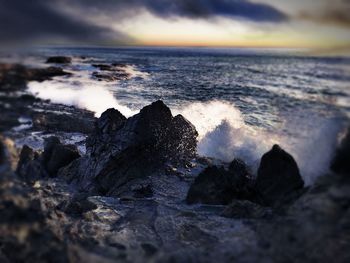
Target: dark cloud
x=33, y=20
x=336, y=13
x=189, y=8
x=47, y=20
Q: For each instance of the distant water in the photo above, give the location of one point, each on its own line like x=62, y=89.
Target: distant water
x=240, y=100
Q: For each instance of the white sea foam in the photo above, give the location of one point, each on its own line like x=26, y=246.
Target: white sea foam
x=224, y=135
x=81, y=91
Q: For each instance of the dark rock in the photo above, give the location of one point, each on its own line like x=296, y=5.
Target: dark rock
x=59, y=60
x=110, y=121
x=216, y=185
x=278, y=177
x=341, y=162
x=3, y=158
x=32, y=166
x=61, y=156
x=29, y=167
x=27, y=155
x=122, y=150
x=110, y=73
x=240, y=209
x=57, y=155
x=25, y=234
x=78, y=205
x=143, y=192
x=13, y=77
x=51, y=122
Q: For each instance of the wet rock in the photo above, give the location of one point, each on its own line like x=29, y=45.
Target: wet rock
x=216, y=185
x=33, y=166
x=61, y=156
x=240, y=209
x=59, y=60
x=13, y=77
x=341, y=162
x=51, y=122
x=278, y=177
x=111, y=72
x=109, y=122
x=124, y=150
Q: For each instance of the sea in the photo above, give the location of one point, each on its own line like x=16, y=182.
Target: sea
x=241, y=101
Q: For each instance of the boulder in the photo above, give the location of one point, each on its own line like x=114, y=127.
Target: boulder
x=341, y=161
x=59, y=60
x=110, y=121
x=57, y=155
x=278, y=177
x=218, y=186
x=121, y=150
x=33, y=166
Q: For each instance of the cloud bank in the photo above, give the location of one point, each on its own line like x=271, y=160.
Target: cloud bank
x=42, y=20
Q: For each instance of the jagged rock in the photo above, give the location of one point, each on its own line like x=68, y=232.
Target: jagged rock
x=278, y=177
x=123, y=150
x=109, y=122
x=216, y=185
x=61, y=156
x=57, y=155
x=341, y=162
x=25, y=235
x=59, y=60
x=33, y=166
x=245, y=209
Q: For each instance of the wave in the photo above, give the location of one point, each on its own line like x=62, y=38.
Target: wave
x=223, y=133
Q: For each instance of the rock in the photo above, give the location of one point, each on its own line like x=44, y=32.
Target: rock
x=3, y=157
x=278, y=177
x=110, y=121
x=25, y=234
x=78, y=205
x=33, y=166
x=57, y=155
x=27, y=155
x=122, y=150
x=216, y=185
x=13, y=77
x=61, y=156
x=59, y=60
x=245, y=209
x=111, y=73
x=52, y=122
x=29, y=166
x=341, y=161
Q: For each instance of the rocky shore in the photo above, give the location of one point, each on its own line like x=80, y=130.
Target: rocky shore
x=139, y=192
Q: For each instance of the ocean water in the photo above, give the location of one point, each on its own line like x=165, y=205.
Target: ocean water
x=241, y=101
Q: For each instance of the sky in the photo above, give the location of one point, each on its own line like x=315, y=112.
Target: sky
x=318, y=24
